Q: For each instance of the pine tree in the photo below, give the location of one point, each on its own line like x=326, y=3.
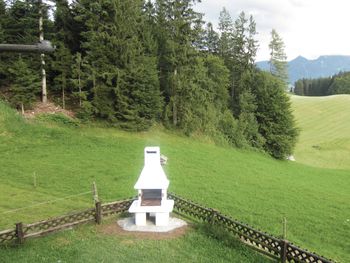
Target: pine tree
x=124, y=79
x=278, y=58
x=66, y=27
x=77, y=78
x=22, y=27
x=3, y=58
x=3, y=17
x=25, y=85
x=238, y=47
x=274, y=115
x=299, y=87
x=62, y=66
x=22, y=23
x=62, y=59
x=244, y=52
x=247, y=120
x=177, y=31
x=211, y=39
x=226, y=30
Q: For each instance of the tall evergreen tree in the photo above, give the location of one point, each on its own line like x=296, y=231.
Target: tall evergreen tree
x=247, y=120
x=62, y=65
x=62, y=59
x=3, y=58
x=238, y=48
x=177, y=31
x=244, y=52
x=22, y=27
x=211, y=39
x=3, y=17
x=125, y=82
x=278, y=57
x=225, y=46
x=25, y=85
x=22, y=23
x=274, y=115
x=66, y=27
x=78, y=78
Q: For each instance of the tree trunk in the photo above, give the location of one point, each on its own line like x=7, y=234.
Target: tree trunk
x=174, y=98
x=79, y=85
x=22, y=108
x=63, y=92
x=42, y=56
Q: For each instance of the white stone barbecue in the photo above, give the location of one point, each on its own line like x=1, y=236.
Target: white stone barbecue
x=152, y=187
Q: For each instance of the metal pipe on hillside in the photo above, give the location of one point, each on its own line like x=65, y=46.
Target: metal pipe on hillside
x=41, y=47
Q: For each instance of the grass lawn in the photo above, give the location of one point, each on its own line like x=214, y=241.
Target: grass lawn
x=249, y=186
x=325, y=131
x=89, y=244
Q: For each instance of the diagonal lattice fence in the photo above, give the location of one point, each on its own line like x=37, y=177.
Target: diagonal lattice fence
x=117, y=207
x=263, y=242
x=41, y=228
x=7, y=235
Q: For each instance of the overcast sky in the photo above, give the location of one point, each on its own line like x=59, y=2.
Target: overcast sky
x=309, y=28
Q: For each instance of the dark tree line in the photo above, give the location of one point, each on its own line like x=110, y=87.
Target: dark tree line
x=136, y=62
x=337, y=84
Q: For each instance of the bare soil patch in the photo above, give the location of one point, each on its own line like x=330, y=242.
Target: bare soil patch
x=48, y=108
x=113, y=228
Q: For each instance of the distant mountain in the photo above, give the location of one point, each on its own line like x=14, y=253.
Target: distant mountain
x=324, y=66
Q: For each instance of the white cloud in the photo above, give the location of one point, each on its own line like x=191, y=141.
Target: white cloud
x=308, y=27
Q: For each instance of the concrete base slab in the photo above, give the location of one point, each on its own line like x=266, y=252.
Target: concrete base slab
x=128, y=224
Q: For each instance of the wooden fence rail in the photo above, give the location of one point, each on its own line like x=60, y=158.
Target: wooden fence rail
x=263, y=242
x=41, y=228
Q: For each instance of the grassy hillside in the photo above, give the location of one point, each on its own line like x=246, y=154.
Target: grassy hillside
x=325, y=131
x=249, y=186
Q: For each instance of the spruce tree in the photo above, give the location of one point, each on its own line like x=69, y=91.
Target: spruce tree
x=22, y=23
x=78, y=78
x=244, y=52
x=3, y=58
x=237, y=46
x=177, y=30
x=211, y=39
x=274, y=115
x=3, y=17
x=62, y=66
x=247, y=120
x=226, y=36
x=125, y=88
x=66, y=28
x=278, y=57
x=25, y=85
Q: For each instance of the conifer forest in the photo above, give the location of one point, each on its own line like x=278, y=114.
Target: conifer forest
x=137, y=63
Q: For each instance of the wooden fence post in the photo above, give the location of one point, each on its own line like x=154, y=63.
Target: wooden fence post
x=19, y=233
x=213, y=216
x=98, y=212
x=94, y=192
x=284, y=223
x=284, y=245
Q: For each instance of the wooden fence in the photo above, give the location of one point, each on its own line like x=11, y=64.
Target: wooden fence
x=263, y=242
x=24, y=231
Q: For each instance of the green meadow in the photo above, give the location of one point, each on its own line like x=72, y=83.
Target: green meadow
x=325, y=131
x=52, y=158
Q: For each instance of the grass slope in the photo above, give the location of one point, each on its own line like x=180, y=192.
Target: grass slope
x=325, y=130
x=88, y=244
x=249, y=186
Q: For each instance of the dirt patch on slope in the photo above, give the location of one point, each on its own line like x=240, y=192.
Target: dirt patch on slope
x=48, y=108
